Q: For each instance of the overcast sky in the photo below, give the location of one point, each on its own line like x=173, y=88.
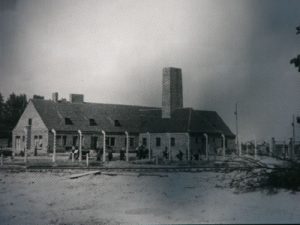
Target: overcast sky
x=114, y=51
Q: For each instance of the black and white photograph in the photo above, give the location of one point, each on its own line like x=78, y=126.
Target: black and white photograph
x=149, y=112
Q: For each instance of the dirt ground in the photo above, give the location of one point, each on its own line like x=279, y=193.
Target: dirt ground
x=131, y=198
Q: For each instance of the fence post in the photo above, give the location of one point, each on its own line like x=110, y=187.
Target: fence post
x=169, y=146
x=80, y=145
x=149, y=145
x=25, y=146
x=188, y=147
x=255, y=148
x=240, y=148
x=72, y=156
x=271, y=147
x=104, y=146
x=127, y=145
x=1, y=159
x=283, y=149
x=223, y=146
x=206, y=146
x=54, y=145
x=87, y=159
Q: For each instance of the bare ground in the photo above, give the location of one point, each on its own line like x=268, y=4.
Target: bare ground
x=206, y=197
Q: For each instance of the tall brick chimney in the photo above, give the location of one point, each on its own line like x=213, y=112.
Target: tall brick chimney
x=171, y=91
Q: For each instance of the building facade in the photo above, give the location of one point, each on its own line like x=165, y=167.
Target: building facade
x=74, y=123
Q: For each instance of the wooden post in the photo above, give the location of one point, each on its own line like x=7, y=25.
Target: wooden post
x=223, y=146
x=149, y=145
x=1, y=159
x=72, y=154
x=104, y=146
x=54, y=146
x=80, y=145
x=127, y=145
x=206, y=146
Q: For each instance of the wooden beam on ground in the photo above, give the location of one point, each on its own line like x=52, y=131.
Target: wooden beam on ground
x=75, y=176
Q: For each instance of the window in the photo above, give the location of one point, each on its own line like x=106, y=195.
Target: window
x=131, y=142
x=157, y=141
x=144, y=141
x=172, y=141
x=29, y=121
x=64, y=140
x=23, y=138
x=110, y=141
x=92, y=122
x=117, y=123
x=58, y=140
x=68, y=121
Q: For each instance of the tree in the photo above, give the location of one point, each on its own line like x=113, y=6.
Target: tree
x=13, y=109
x=296, y=60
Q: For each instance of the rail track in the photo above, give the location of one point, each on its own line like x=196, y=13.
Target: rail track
x=173, y=169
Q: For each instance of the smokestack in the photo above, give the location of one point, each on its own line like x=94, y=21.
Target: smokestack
x=171, y=91
x=55, y=96
x=76, y=98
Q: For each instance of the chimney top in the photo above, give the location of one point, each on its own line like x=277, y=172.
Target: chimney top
x=76, y=98
x=55, y=96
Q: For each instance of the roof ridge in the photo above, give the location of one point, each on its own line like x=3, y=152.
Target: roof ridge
x=96, y=103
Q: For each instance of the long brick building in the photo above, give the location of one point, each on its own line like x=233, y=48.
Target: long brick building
x=75, y=122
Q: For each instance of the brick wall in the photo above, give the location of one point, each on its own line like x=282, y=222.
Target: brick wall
x=171, y=91
x=197, y=143
x=119, y=141
x=180, y=143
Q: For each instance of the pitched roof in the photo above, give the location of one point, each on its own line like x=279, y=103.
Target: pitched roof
x=53, y=114
x=133, y=119
x=188, y=120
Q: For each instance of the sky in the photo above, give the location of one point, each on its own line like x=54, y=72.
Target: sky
x=113, y=51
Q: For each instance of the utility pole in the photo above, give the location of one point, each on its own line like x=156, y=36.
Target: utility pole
x=237, y=127
x=294, y=137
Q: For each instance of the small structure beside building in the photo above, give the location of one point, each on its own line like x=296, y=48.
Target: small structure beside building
x=171, y=129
